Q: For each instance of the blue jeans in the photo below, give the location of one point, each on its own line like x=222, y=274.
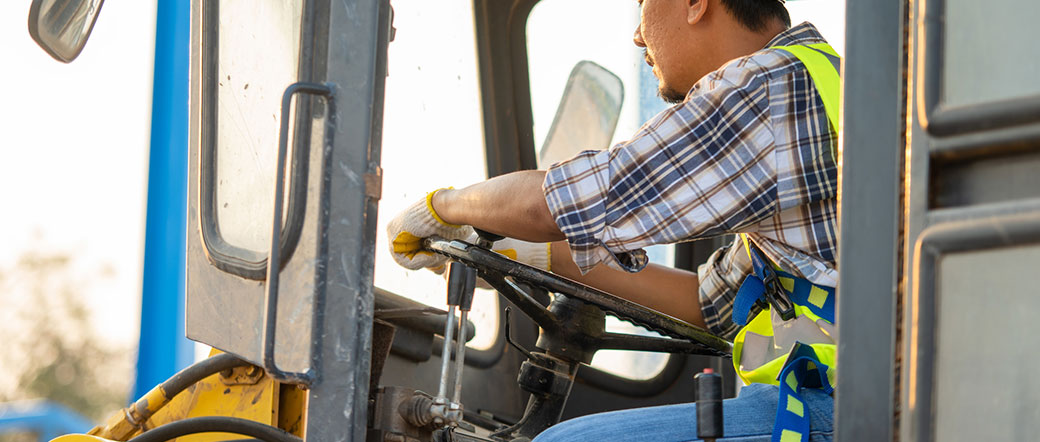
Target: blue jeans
x=747, y=418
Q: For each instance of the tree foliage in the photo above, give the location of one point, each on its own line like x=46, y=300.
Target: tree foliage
x=53, y=348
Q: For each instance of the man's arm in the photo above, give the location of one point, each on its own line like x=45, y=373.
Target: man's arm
x=512, y=205
x=665, y=289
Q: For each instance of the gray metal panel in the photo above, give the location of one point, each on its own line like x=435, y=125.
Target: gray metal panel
x=985, y=46
x=925, y=398
x=970, y=181
x=915, y=207
x=975, y=143
x=984, y=317
x=356, y=65
x=225, y=310
x=501, y=27
x=987, y=180
x=985, y=35
x=872, y=164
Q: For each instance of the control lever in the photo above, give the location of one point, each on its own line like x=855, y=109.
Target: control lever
x=487, y=239
x=462, y=280
x=709, y=405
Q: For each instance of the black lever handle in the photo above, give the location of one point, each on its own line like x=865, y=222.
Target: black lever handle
x=709, y=405
x=462, y=279
x=488, y=236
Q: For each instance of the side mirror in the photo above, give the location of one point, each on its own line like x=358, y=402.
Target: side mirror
x=587, y=115
x=62, y=27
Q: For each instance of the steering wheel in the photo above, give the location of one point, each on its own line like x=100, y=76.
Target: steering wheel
x=501, y=272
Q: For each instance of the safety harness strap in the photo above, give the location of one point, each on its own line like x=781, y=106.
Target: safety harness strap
x=819, y=299
x=803, y=369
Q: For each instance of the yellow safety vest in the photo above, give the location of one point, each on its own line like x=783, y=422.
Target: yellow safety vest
x=819, y=59
x=801, y=347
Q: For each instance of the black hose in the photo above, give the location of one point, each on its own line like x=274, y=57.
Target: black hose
x=216, y=424
x=199, y=371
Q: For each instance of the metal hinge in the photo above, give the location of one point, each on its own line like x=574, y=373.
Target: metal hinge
x=374, y=184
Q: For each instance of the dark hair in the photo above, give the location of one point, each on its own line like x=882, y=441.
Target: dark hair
x=756, y=14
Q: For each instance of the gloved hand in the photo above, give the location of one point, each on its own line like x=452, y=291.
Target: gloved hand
x=407, y=230
x=535, y=254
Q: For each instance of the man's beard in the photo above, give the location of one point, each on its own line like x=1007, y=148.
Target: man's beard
x=669, y=95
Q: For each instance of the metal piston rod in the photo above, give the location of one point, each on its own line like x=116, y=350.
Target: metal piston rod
x=461, y=284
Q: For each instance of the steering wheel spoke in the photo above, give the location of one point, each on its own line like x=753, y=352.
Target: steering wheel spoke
x=496, y=269
x=620, y=341
x=520, y=298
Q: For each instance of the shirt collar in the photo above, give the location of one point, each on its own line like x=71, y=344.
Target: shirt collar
x=803, y=34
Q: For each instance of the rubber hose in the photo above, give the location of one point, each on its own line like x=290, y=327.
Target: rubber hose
x=199, y=371
x=216, y=424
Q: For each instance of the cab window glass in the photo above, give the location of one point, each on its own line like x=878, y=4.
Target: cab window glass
x=254, y=69
x=432, y=137
x=556, y=43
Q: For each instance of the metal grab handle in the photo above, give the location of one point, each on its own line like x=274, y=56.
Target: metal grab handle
x=274, y=256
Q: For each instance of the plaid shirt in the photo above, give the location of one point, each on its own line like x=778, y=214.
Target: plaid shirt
x=749, y=150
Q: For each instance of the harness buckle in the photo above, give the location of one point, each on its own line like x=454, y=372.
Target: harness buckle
x=776, y=296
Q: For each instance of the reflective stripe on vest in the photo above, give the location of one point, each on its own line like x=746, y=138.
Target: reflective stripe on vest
x=804, y=365
x=823, y=64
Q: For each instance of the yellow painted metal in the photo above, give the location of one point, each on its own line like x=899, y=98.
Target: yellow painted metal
x=211, y=397
x=124, y=423
x=245, y=394
x=214, y=397
x=292, y=406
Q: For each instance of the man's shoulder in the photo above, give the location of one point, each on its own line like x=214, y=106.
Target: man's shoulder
x=770, y=63
x=767, y=62
x=748, y=72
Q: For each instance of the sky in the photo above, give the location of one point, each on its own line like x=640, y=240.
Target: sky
x=75, y=148
x=76, y=138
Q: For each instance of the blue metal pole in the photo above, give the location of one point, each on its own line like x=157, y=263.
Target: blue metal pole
x=163, y=349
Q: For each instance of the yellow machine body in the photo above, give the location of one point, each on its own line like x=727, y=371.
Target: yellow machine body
x=245, y=392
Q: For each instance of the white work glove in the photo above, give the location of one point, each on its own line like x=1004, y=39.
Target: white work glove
x=407, y=230
x=535, y=254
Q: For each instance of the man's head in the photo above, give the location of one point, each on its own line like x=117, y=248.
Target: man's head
x=684, y=40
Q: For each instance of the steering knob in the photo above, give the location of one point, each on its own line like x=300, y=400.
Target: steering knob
x=487, y=237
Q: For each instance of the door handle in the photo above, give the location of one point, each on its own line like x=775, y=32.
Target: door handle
x=274, y=256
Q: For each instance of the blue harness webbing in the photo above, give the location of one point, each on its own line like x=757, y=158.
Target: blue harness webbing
x=774, y=288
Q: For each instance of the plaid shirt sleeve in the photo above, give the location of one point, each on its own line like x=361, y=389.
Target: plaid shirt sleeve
x=748, y=151
x=720, y=278
x=701, y=168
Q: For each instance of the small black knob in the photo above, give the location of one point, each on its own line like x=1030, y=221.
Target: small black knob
x=488, y=236
x=709, y=404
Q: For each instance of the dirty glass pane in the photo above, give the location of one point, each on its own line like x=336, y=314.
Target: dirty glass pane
x=986, y=56
x=259, y=43
x=556, y=43
x=432, y=137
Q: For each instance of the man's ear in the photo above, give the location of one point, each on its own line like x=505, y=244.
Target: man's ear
x=696, y=10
